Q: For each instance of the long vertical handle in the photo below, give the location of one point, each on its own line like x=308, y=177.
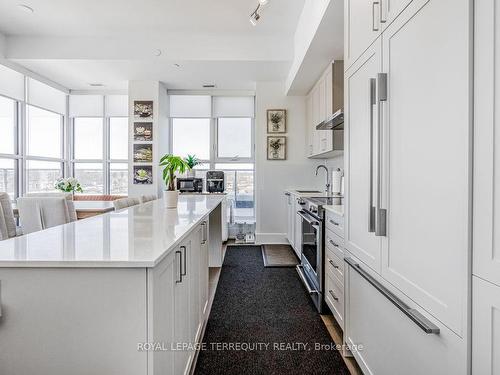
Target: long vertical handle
x=373, y=15
x=380, y=213
x=184, y=272
x=371, y=208
x=382, y=19
x=204, y=233
x=180, y=266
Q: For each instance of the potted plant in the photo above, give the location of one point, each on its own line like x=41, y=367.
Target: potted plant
x=171, y=166
x=68, y=185
x=192, y=161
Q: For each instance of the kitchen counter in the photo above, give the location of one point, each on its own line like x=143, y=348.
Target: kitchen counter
x=140, y=236
x=336, y=209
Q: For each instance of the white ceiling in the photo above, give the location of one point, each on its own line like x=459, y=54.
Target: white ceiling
x=75, y=43
x=102, y=18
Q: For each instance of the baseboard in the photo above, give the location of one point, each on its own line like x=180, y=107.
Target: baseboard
x=270, y=238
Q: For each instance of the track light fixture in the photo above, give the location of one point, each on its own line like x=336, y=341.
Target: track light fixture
x=255, y=16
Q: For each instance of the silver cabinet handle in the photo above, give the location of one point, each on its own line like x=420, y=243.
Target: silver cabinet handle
x=204, y=233
x=382, y=20
x=425, y=324
x=180, y=266
x=333, y=243
x=333, y=295
x=304, y=281
x=333, y=264
x=373, y=15
x=334, y=222
x=380, y=213
x=371, y=208
x=184, y=273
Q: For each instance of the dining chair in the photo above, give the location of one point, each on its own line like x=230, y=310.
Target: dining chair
x=122, y=203
x=38, y=213
x=148, y=198
x=7, y=221
x=69, y=201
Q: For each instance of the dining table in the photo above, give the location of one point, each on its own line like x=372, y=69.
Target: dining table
x=84, y=209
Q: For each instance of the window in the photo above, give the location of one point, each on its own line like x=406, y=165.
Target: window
x=8, y=119
x=91, y=177
x=240, y=188
x=118, y=138
x=118, y=178
x=42, y=175
x=88, y=135
x=8, y=181
x=44, y=133
x=191, y=136
x=101, y=167
x=234, y=138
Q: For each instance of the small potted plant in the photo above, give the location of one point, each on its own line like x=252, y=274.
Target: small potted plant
x=171, y=166
x=68, y=185
x=192, y=161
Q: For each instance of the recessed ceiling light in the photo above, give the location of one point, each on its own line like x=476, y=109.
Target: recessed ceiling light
x=96, y=84
x=158, y=52
x=26, y=8
x=209, y=86
x=177, y=65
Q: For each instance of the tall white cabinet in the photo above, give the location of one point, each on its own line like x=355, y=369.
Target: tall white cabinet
x=486, y=248
x=408, y=166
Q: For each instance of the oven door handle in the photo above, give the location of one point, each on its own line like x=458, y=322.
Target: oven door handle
x=304, y=280
x=302, y=214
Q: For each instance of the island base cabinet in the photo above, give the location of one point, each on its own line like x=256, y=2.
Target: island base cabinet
x=385, y=341
x=79, y=321
x=178, y=300
x=485, y=327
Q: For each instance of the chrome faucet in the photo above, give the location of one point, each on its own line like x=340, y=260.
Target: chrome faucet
x=327, y=185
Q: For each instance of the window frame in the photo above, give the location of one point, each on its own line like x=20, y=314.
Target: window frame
x=17, y=156
x=106, y=160
x=23, y=146
x=214, y=158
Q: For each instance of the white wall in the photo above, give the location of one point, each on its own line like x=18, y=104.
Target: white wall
x=272, y=176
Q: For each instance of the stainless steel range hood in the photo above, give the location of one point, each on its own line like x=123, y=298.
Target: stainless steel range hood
x=336, y=120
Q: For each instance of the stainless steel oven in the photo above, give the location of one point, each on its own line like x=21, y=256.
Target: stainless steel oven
x=311, y=268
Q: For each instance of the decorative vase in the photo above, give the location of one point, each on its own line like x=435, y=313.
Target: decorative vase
x=191, y=173
x=170, y=198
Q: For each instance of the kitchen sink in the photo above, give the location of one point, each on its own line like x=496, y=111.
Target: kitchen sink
x=308, y=191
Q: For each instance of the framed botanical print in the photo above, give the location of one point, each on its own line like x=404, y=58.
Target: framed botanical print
x=276, y=121
x=276, y=148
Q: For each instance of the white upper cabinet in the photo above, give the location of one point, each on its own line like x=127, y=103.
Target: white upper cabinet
x=425, y=152
x=310, y=132
x=361, y=27
x=360, y=115
x=487, y=143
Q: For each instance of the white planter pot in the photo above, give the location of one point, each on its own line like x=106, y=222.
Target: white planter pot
x=191, y=173
x=170, y=198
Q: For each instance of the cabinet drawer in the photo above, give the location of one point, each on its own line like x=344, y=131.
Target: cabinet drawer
x=334, y=265
x=334, y=296
x=335, y=243
x=335, y=223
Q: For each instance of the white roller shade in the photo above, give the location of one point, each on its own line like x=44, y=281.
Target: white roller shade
x=86, y=106
x=234, y=106
x=45, y=96
x=194, y=106
x=11, y=83
x=117, y=105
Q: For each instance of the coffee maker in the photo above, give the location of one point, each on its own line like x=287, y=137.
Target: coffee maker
x=215, y=182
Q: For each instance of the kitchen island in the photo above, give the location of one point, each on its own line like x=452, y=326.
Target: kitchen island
x=121, y=293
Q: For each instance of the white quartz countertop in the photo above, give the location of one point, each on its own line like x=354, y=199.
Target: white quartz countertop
x=337, y=209
x=139, y=236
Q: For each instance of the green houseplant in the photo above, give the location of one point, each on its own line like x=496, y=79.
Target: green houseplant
x=171, y=166
x=192, y=161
